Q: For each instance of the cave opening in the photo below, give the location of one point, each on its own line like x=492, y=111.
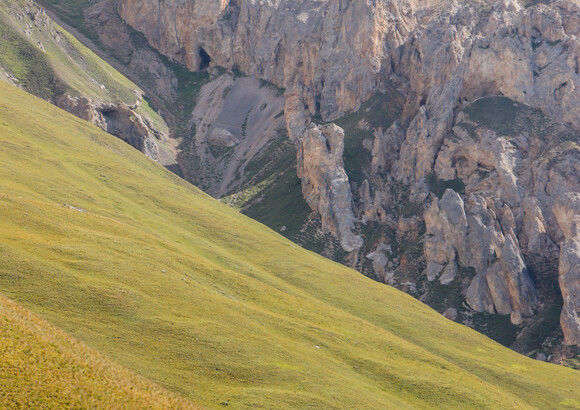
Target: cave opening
x=204, y=59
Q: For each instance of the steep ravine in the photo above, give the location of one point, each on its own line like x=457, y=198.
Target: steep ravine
x=450, y=170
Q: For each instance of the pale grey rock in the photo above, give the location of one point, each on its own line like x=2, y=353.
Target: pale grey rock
x=449, y=273
x=534, y=233
x=541, y=356
x=567, y=211
x=325, y=184
x=471, y=233
x=385, y=150
x=222, y=138
x=570, y=285
x=380, y=258
x=117, y=119
x=516, y=318
x=432, y=271
x=450, y=313
x=446, y=225
x=478, y=296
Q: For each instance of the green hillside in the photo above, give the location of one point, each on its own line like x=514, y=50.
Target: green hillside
x=47, y=61
x=179, y=288
x=62, y=64
x=43, y=367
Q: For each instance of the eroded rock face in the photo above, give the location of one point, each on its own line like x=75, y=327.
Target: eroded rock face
x=234, y=118
x=512, y=182
x=141, y=62
x=567, y=211
x=325, y=183
x=527, y=54
x=117, y=119
x=471, y=236
x=295, y=45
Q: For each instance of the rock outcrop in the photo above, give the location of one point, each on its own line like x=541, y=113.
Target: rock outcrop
x=567, y=211
x=117, y=119
x=325, y=183
x=333, y=52
x=470, y=235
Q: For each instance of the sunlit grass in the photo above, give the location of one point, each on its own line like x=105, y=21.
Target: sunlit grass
x=214, y=306
x=43, y=367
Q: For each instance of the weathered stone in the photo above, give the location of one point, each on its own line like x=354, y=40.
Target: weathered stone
x=567, y=211
x=450, y=313
x=516, y=318
x=449, y=273
x=117, y=119
x=380, y=258
x=433, y=270
x=472, y=232
x=325, y=183
x=285, y=42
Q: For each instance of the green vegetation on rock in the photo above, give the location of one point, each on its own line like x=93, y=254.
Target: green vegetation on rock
x=378, y=112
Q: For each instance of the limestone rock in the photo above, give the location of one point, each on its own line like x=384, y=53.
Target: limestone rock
x=534, y=234
x=567, y=211
x=380, y=258
x=126, y=124
x=386, y=147
x=449, y=273
x=325, y=183
x=117, y=119
x=82, y=107
x=516, y=318
x=469, y=234
x=285, y=42
x=222, y=138
x=570, y=286
x=450, y=314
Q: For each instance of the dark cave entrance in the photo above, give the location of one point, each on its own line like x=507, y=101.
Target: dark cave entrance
x=204, y=59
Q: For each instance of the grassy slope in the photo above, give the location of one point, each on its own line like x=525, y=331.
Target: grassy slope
x=44, y=367
x=64, y=58
x=214, y=306
x=65, y=65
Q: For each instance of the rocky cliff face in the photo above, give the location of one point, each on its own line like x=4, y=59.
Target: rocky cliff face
x=470, y=235
x=567, y=211
x=454, y=154
x=331, y=53
x=117, y=119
